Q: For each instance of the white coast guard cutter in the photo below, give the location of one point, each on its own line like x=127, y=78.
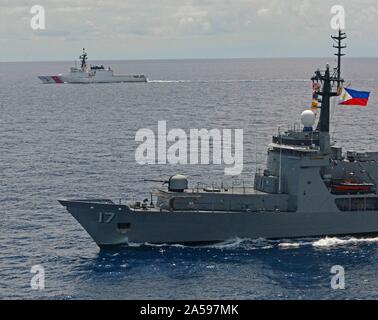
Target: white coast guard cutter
x=91, y=74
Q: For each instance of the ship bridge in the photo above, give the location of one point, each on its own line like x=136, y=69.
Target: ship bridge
x=297, y=137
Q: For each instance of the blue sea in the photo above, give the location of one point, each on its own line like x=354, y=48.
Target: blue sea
x=61, y=141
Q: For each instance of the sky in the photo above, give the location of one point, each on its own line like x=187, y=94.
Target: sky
x=183, y=29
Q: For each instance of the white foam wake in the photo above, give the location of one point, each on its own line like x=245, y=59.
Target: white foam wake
x=261, y=243
x=227, y=80
x=334, y=241
x=228, y=244
x=289, y=245
x=243, y=243
x=171, y=81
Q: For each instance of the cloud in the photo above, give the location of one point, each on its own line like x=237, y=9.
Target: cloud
x=151, y=23
x=262, y=11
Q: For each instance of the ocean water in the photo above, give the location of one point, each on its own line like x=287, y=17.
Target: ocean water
x=67, y=140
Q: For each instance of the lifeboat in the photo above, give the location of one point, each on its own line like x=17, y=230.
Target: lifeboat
x=350, y=186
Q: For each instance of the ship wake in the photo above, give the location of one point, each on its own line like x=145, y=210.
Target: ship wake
x=227, y=80
x=264, y=244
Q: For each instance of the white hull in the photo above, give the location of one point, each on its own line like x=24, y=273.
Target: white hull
x=92, y=76
x=113, y=79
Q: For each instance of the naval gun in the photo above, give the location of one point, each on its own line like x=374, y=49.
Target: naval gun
x=176, y=183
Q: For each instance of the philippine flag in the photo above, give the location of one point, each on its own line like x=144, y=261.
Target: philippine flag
x=350, y=97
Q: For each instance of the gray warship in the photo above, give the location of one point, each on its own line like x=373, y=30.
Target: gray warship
x=309, y=188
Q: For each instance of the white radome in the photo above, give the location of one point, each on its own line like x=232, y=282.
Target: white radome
x=308, y=118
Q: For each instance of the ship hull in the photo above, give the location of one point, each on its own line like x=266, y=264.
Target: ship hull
x=115, y=225
x=87, y=80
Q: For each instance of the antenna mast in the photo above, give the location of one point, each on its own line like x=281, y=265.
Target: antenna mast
x=83, y=59
x=325, y=82
x=338, y=39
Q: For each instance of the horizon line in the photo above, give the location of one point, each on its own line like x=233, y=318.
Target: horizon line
x=187, y=59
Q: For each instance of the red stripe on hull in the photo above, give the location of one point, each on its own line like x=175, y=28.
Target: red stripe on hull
x=57, y=79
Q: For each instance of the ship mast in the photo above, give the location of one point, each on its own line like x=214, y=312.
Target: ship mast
x=83, y=59
x=326, y=83
x=338, y=39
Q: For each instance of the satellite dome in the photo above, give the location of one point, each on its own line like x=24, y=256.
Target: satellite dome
x=308, y=118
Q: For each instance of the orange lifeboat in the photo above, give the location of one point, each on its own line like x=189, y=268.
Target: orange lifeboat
x=350, y=186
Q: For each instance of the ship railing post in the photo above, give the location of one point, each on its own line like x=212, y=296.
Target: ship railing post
x=280, y=168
